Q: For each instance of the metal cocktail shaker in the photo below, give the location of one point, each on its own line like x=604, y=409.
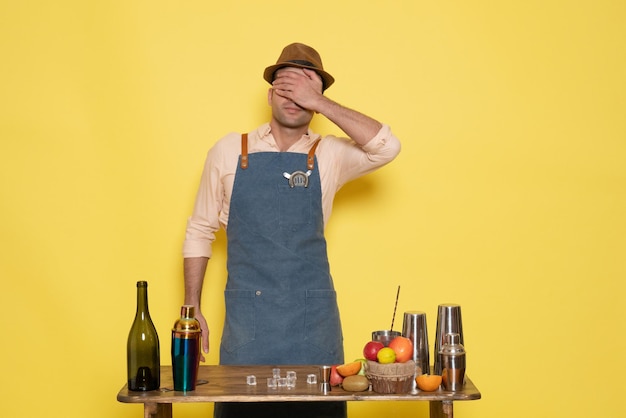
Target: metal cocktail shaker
x=448, y=322
x=453, y=362
x=414, y=328
x=186, y=350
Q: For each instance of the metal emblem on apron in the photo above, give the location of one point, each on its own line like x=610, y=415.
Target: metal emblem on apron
x=298, y=178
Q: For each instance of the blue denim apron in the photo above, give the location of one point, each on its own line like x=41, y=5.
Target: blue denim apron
x=281, y=306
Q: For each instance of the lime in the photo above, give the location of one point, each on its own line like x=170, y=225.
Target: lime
x=386, y=355
x=363, y=362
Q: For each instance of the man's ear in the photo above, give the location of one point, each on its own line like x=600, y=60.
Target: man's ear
x=270, y=92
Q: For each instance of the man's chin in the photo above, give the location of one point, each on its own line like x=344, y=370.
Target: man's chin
x=294, y=123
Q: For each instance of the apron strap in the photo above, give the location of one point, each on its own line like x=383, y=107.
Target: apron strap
x=310, y=159
x=244, y=151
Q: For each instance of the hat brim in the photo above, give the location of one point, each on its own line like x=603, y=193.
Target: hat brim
x=268, y=74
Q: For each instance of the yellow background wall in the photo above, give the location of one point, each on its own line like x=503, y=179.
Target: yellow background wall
x=508, y=197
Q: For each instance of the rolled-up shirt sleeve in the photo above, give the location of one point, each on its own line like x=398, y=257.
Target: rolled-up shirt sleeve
x=205, y=219
x=353, y=161
x=383, y=148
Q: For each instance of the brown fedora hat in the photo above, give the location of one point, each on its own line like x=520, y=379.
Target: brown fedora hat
x=300, y=56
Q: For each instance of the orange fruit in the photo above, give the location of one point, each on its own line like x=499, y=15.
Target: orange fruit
x=349, y=369
x=403, y=347
x=428, y=382
x=386, y=355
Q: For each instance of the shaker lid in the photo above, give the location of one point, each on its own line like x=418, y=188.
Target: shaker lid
x=187, y=323
x=187, y=311
x=452, y=344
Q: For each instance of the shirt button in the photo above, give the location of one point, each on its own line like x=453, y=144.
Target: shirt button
x=258, y=293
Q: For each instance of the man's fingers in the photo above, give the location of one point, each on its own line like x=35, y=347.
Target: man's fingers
x=205, y=334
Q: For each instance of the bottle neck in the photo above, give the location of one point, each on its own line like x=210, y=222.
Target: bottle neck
x=142, y=300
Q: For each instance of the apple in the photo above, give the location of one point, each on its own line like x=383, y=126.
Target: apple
x=371, y=349
x=335, y=377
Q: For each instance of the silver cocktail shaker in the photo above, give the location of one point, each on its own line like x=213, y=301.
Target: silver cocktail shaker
x=414, y=328
x=448, y=322
x=453, y=362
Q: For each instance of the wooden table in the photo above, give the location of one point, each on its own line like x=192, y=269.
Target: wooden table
x=228, y=384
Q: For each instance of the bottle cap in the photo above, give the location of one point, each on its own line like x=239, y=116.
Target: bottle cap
x=453, y=339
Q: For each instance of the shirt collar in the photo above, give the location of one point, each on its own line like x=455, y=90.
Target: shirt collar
x=265, y=134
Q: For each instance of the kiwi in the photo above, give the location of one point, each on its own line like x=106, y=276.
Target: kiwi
x=355, y=383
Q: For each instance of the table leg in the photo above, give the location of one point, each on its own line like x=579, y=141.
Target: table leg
x=441, y=409
x=157, y=410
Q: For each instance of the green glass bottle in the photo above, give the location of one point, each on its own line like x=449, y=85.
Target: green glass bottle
x=142, y=349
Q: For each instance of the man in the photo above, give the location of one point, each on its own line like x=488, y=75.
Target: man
x=272, y=190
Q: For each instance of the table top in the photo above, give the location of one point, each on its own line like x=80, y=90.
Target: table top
x=228, y=384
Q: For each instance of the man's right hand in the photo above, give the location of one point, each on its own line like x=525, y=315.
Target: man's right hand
x=205, y=335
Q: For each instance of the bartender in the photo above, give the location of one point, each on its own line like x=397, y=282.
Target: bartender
x=272, y=190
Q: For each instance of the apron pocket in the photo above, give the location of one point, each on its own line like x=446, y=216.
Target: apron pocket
x=323, y=325
x=239, y=326
x=294, y=206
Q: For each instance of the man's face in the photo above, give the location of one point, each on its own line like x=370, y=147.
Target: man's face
x=286, y=112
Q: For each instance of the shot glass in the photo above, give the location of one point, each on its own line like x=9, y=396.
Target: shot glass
x=325, y=379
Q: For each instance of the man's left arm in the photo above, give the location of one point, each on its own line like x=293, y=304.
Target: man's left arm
x=359, y=127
